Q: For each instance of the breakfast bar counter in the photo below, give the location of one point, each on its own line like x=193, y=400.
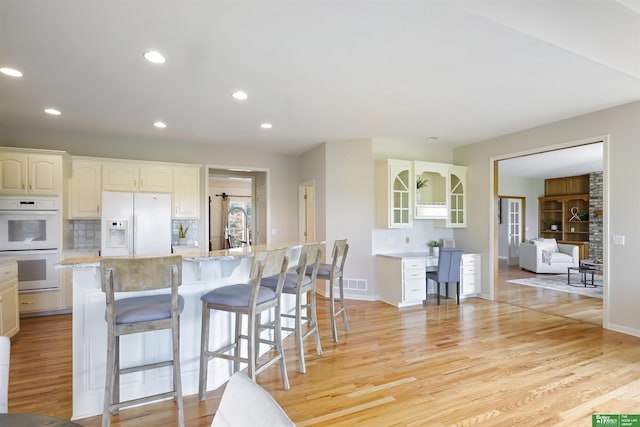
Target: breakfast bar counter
x=200, y=274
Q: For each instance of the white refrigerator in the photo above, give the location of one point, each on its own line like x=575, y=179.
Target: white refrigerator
x=135, y=224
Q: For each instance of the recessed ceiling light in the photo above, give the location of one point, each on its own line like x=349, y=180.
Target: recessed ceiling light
x=432, y=138
x=10, y=72
x=266, y=125
x=52, y=111
x=160, y=124
x=155, y=57
x=239, y=94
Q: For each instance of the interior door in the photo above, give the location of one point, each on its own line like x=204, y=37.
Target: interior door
x=514, y=215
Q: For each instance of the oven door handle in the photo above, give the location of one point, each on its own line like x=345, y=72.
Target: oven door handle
x=28, y=212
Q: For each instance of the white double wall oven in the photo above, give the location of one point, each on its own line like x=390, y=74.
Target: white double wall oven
x=30, y=233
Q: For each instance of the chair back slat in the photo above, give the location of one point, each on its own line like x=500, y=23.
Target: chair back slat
x=141, y=274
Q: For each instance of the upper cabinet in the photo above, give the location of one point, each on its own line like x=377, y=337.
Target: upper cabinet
x=431, y=189
x=441, y=193
x=31, y=174
x=132, y=177
x=457, y=197
x=186, y=192
x=85, y=189
x=395, y=191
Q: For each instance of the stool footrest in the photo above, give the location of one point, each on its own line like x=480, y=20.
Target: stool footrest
x=138, y=401
x=139, y=368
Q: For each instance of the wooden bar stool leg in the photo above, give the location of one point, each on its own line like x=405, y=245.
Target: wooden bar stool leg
x=332, y=312
x=204, y=348
x=344, y=311
x=177, y=381
x=298, y=332
x=237, y=349
x=277, y=336
x=313, y=316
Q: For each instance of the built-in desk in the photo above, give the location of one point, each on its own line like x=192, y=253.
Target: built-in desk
x=402, y=276
x=199, y=275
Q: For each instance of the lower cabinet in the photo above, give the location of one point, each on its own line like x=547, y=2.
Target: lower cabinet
x=402, y=279
x=9, y=313
x=470, y=274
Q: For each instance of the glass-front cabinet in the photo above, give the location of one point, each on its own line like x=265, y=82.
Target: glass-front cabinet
x=456, y=187
x=441, y=193
x=410, y=190
x=395, y=193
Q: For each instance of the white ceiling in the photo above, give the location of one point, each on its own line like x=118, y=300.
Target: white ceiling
x=327, y=70
x=579, y=160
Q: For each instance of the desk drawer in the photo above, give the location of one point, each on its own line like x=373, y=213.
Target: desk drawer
x=414, y=290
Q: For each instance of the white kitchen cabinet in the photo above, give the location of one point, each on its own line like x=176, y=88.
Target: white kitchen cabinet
x=186, y=192
x=457, y=196
x=85, y=189
x=134, y=177
x=24, y=173
x=9, y=315
x=395, y=192
x=443, y=197
x=402, y=278
x=470, y=274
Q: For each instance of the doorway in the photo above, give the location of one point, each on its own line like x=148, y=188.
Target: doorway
x=512, y=214
x=306, y=211
x=237, y=211
x=529, y=180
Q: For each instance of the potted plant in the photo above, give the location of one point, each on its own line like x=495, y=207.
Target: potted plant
x=182, y=234
x=420, y=183
x=435, y=247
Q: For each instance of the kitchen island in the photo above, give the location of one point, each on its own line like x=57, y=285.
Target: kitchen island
x=200, y=274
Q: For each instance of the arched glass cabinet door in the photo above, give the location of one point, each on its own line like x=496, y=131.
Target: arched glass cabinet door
x=401, y=209
x=457, y=197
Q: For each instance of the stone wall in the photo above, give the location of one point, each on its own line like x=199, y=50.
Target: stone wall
x=595, y=215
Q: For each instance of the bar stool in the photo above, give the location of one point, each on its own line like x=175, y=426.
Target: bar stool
x=331, y=272
x=130, y=315
x=299, y=284
x=252, y=300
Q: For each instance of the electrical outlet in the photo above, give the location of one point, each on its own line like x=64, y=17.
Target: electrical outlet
x=407, y=239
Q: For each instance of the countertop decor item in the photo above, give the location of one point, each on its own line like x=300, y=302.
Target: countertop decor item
x=182, y=234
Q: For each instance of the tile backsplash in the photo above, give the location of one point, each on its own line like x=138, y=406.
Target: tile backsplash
x=86, y=233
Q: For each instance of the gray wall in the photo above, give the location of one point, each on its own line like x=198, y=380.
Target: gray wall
x=619, y=127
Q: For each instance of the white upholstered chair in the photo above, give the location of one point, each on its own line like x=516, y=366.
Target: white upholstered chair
x=548, y=256
x=5, y=352
x=246, y=404
x=251, y=300
x=129, y=315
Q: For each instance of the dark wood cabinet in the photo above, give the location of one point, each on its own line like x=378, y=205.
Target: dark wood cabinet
x=563, y=212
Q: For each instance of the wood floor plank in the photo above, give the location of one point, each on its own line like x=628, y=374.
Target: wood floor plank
x=532, y=357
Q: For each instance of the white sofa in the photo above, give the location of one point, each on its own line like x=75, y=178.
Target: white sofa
x=548, y=256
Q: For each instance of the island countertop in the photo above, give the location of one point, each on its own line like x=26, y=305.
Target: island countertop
x=232, y=253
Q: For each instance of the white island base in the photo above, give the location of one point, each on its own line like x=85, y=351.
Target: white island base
x=90, y=334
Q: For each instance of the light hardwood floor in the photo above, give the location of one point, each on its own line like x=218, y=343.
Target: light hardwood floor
x=533, y=357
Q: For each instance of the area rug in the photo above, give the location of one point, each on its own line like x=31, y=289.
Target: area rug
x=558, y=282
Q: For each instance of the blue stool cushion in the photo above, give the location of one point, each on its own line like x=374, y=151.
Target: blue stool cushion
x=323, y=270
x=290, y=281
x=145, y=308
x=236, y=295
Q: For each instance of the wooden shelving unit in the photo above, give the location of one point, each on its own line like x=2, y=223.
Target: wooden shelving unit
x=566, y=212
